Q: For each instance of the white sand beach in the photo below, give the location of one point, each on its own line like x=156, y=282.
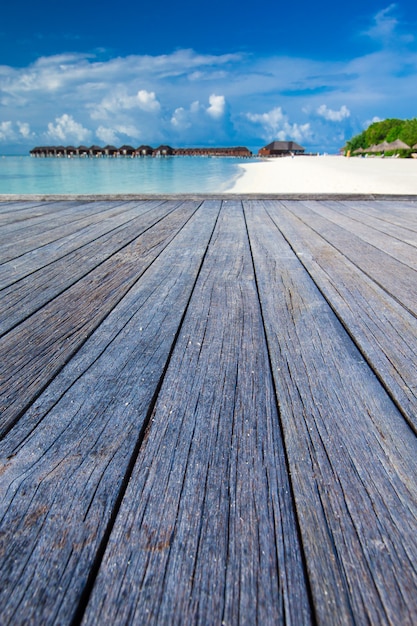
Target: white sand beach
x=328, y=174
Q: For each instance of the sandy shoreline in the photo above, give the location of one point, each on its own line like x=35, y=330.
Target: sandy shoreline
x=328, y=174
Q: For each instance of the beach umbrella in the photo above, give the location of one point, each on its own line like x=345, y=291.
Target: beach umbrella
x=359, y=151
x=397, y=145
x=379, y=147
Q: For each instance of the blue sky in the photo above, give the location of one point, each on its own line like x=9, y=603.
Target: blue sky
x=215, y=73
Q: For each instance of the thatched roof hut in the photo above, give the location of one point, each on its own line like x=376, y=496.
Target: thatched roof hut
x=281, y=148
x=95, y=150
x=397, y=145
x=110, y=150
x=126, y=150
x=163, y=151
x=144, y=150
x=379, y=147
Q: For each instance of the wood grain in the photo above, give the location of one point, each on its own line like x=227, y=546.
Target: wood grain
x=208, y=412
x=381, y=328
x=206, y=533
x=35, y=350
x=68, y=458
x=350, y=454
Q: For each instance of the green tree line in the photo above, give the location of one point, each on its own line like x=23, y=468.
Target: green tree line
x=387, y=130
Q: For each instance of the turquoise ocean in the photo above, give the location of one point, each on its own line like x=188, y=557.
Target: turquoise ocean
x=143, y=175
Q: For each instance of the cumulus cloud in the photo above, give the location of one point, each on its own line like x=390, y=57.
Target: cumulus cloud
x=367, y=123
x=111, y=135
x=180, y=119
x=24, y=129
x=6, y=131
x=331, y=115
x=276, y=125
x=107, y=135
x=169, y=98
x=10, y=131
x=183, y=118
x=147, y=100
x=196, y=114
x=217, y=106
x=66, y=128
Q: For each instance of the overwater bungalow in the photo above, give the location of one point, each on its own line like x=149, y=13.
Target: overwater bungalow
x=163, y=151
x=95, y=151
x=235, y=151
x=281, y=148
x=110, y=150
x=127, y=150
x=144, y=150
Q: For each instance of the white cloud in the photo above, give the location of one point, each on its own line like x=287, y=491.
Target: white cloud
x=67, y=128
x=331, y=115
x=275, y=125
x=130, y=130
x=24, y=129
x=107, y=135
x=367, y=123
x=180, y=119
x=384, y=24
x=169, y=98
x=112, y=134
x=387, y=29
x=147, y=101
x=217, y=106
x=6, y=131
x=119, y=100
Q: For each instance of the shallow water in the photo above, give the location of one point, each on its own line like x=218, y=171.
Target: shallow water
x=29, y=175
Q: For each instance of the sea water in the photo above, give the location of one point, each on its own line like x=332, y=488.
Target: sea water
x=140, y=175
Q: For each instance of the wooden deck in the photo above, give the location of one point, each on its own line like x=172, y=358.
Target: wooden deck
x=208, y=412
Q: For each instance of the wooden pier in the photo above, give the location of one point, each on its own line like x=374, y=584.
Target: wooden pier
x=208, y=412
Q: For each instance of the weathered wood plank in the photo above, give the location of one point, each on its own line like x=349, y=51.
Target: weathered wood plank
x=395, y=277
x=378, y=220
x=398, y=213
x=41, y=215
x=69, y=457
x=10, y=211
x=382, y=329
x=23, y=298
x=63, y=224
x=402, y=251
x=86, y=231
x=206, y=533
x=35, y=350
x=351, y=457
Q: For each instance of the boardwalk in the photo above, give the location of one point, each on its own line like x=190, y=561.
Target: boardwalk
x=208, y=412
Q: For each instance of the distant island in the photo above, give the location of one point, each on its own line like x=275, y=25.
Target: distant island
x=390, y=137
